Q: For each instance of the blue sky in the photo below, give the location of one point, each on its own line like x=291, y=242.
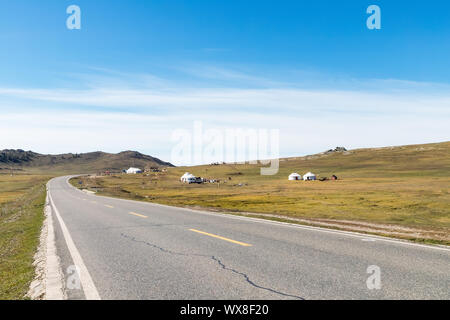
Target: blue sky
x=138, y=70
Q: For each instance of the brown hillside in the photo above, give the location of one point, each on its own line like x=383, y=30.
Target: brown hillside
x=92, y=162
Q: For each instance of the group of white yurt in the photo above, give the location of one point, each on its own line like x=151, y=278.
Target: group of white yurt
x=307, y=177
x=188, y=178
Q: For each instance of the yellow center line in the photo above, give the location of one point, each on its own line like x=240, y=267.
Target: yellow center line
x=138, y=215
x=108, y=206
x=93, y=202
x=221, y=238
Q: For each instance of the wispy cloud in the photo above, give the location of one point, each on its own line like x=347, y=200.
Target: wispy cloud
x=113, y=111
x=282, y=101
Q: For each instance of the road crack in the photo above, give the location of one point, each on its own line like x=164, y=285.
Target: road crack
x=247, y=279
x=215, y=259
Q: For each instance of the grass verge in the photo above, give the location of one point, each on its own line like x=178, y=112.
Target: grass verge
x=21, y=218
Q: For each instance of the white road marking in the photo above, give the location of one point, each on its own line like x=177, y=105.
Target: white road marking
x=89, y=288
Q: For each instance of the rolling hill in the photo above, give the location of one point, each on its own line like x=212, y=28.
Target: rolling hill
x=20, y=160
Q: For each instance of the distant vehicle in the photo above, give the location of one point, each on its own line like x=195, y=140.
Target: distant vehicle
x=199, y=180
x=190, y=178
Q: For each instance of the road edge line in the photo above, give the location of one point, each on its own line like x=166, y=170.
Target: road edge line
x=89, y=289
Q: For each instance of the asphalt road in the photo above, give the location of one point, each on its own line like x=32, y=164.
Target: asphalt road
x=134, y=250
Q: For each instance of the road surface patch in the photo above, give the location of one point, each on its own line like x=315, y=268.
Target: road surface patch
x=221, y=238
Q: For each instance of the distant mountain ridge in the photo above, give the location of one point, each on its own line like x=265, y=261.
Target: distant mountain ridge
x=16, y=156
x=77, y=162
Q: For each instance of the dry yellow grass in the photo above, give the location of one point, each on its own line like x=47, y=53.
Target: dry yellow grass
x=12, y=187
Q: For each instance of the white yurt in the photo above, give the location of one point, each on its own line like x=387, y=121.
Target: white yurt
x=309, y=176
x=187, y=178
x=134, y=170
x=294, y=176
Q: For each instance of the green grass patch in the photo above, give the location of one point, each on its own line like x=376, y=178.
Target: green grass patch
x=21, y=220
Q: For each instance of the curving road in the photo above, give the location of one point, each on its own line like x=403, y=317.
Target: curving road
x=133, y=250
